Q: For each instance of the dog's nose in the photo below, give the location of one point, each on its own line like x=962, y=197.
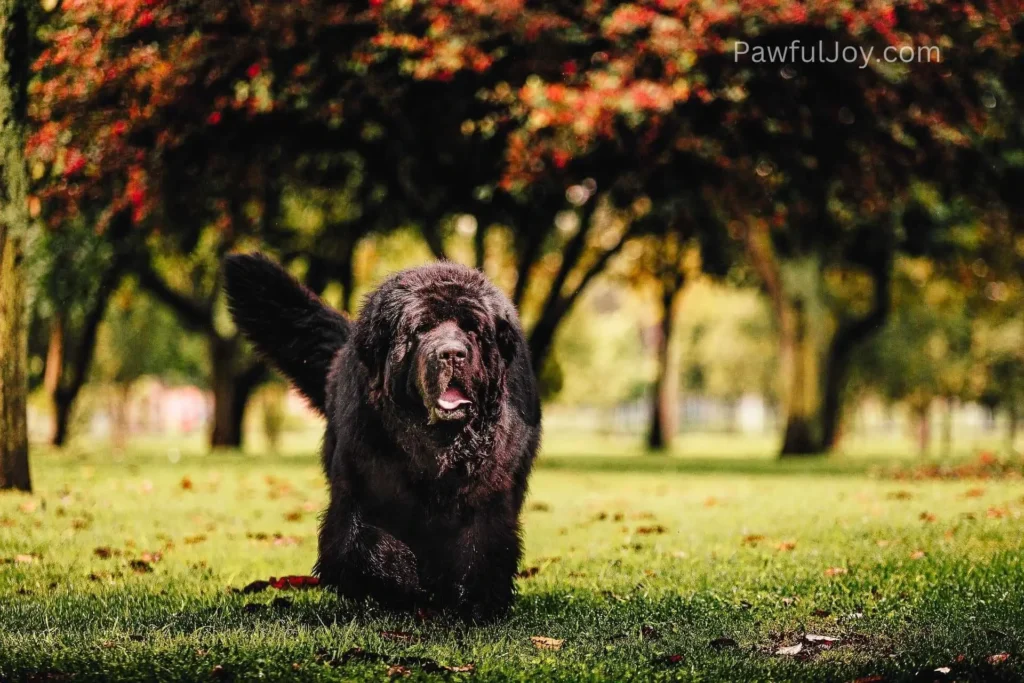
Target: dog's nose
x=452, y=351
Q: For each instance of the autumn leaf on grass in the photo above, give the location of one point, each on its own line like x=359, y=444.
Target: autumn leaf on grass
x=398, y=670
x=545, y=643
x=974, y=493
x=998, y=659
x=140, y=566
x=656, y=529
x=286, y=582
x=917, y=555
x=193, y=540
x=927, y=517
x=186, y=483
x=900, y=495
x=28, y=507
x=790, y=651
x=786, y=546
x=293, y=516
x=752, y=539
x=27, y=558
x=836, y=571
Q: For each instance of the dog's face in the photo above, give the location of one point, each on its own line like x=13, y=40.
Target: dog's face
x=436, y=342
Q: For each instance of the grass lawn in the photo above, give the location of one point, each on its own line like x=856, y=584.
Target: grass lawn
x=644, y=567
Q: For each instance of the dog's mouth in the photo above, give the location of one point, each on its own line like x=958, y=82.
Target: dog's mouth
x=452, y=404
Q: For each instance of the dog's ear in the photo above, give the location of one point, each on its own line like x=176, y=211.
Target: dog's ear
x=290, y=325
x=509, y=336
x=372, y=338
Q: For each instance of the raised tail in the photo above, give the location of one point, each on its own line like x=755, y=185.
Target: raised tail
x=290, y=325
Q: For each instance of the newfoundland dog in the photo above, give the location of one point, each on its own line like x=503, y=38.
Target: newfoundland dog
x=433, y=422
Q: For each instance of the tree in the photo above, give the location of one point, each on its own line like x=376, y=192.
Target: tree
x=82, y=272
x=835, y=148
x=14, y=223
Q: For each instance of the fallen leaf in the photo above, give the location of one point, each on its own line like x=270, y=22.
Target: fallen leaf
x=883, y=543
x=656, y=529
x=286, y=582
x=25, y=559
x=836, y=571
x=545, y=643
x=397, y=670
x=791, y=650
x=193, y=540
x=152, y=558
x=900, y=495
x=786, y=546
x=996, y=513
x=927, y=517
x=820, y=640
x=999, y=658
x=722, y=643
x=28, y=507
x=140, y=566
x=973, y=493
x=752, y=539
x=917, y=555
x=186, y=483
x=293, y=516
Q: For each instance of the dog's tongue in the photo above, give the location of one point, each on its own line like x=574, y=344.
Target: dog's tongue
x=452, y=398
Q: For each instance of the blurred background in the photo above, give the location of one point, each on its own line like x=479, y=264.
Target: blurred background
x=774, y=228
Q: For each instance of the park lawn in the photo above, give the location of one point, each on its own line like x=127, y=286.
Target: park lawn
x=649, y=567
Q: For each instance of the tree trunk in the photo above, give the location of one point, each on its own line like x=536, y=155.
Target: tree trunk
x=74, y=363
x=924, y=427
x=14, y=471
x=666, y=382
x=947, y=426
x=54, y=355
x=231, y=392
x=801, y=345
x=62, y=405
x=14, y=219
x=227, y=429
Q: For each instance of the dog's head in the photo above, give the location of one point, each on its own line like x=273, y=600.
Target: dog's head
x=436, y=342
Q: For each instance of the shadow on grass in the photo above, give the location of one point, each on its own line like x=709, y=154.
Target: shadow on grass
x=754, y=466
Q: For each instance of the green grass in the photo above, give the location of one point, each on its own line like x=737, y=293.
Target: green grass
x=638, y=559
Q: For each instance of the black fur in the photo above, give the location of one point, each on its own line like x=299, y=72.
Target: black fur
x=425, y=497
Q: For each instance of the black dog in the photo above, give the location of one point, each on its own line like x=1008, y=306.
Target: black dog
x=433, y=422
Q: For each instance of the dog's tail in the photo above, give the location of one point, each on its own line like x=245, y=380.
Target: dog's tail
x=290, y=325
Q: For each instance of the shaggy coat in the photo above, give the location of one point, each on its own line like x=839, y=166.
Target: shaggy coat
x=433, y=423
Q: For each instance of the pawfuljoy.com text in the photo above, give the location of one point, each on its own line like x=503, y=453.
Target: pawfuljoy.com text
x=825, y=52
